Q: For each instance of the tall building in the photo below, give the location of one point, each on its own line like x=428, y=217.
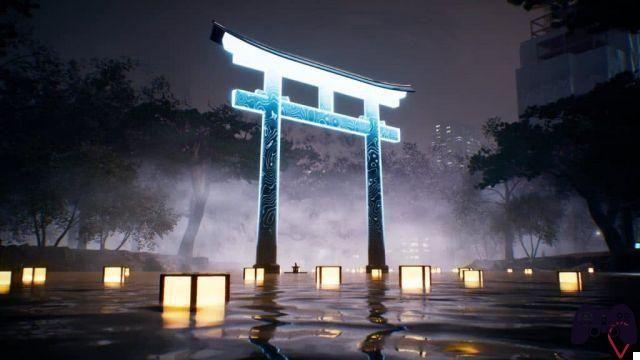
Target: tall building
x=452, y=147
x=555, y=63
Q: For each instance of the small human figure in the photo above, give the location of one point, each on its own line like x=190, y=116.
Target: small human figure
x=296, y=268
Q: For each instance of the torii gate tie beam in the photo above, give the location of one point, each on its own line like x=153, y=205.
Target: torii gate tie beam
x=273, y=107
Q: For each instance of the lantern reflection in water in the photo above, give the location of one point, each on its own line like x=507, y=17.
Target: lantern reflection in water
x=570, y=281
x=473, y=279
x=415, y=277
x=5, y=282
x=328, y=277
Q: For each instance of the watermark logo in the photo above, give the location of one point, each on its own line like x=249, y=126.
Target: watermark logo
x=618, y=323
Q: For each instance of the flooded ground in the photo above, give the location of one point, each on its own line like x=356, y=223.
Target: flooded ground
x=74, y=316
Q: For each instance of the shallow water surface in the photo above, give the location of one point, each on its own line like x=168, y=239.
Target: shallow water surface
x=512, y=317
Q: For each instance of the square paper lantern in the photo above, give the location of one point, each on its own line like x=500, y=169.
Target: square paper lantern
x=194, y=291
x=570, y=280
x=473, y=278
x=591, y=270
x=252, y=274
x=328, y=276
x=528, y=271
x=5, y=278
x=376, y=274
x=113, y=274
x=461, y=271
x=415, y=277
x=509, y=270
x=27, y=276
x=36, y=276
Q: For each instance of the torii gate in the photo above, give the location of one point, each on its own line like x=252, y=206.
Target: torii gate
x=269, y=102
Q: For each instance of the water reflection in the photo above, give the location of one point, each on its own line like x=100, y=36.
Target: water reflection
x=265, y=301
x=362, y=321
x=180, y=318
x=210, y=316
x=374, y=343
x=176, y=318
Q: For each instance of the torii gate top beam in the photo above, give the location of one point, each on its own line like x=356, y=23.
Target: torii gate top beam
x=252, y=54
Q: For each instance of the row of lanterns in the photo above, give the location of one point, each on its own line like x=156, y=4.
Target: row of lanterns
x=111, y=275
x=195, y=290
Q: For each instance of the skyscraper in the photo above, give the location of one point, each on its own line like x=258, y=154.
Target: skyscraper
x=556, y=63
x=452, y=147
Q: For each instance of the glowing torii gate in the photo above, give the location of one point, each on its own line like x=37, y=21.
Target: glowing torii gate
x=269, y=102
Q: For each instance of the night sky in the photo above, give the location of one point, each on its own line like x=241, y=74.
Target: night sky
x=460, y=55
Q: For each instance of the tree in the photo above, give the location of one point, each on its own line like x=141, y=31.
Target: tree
x=9, y=33
x=594, y=15
x=136, y=213
x=66, y=149
x=206, y=145
x=534, y=216
x=507, y=180
x=586, y=144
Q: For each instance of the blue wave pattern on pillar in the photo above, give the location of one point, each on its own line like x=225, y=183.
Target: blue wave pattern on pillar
x=269, y=169
x=374, y=186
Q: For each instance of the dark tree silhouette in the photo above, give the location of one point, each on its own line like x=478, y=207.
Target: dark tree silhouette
x=587, y=144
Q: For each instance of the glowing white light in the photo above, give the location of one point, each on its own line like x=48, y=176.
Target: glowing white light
x=247, y=55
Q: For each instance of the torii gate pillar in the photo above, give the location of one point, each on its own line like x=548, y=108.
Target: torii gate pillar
x=375, y=213
x=273, y=107
x=266, y=252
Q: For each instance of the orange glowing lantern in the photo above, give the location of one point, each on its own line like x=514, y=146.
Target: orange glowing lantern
x=473, y=278
x=510, y=270
x=127, y=272
x=113, y=275
x=35, y=276
x=461, y=272
x=570, y=280
x=328, y=276
x=27, y=276
x=253, y=274
x=194, y=291
x=528, y=271
x=591, y=270
x=415, y=277
x=376, y=274
x=5, y=278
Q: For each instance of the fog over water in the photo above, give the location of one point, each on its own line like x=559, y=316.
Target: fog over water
x=323, y=218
